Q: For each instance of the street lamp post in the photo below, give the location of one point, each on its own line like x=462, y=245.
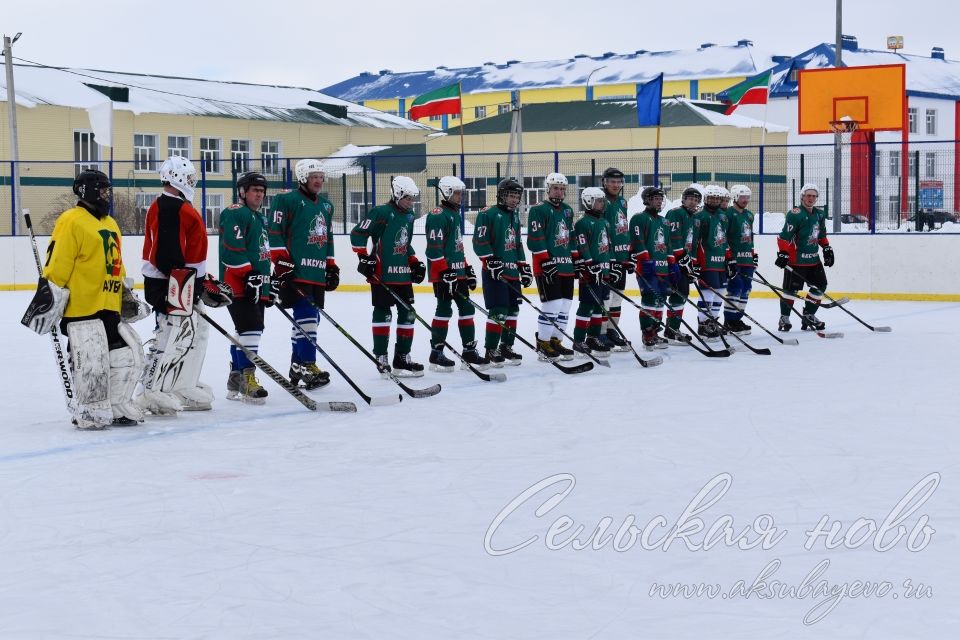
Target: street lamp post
x=589, y=88
x=12, y=120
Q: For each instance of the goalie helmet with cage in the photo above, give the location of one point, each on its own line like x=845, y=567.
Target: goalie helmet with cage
x=506, y=187
x=305, y=167
x=403, y=187
x=180, y=174
x=449, y=185
x=590, y=196
x=251, y=179
x=94, y=188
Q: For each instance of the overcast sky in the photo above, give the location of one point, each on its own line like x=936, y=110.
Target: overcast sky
x=311, y=44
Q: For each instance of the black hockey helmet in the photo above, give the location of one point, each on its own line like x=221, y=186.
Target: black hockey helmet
x=692, y=191
x=649, y=192
x=612, y=172
x=251, y=179
x=93, y=187
x=506, y=186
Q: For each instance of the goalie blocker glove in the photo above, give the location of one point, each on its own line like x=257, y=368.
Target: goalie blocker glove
x=46, y=308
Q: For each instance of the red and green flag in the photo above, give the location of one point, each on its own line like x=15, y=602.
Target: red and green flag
x=445, y=100
x=752, y=91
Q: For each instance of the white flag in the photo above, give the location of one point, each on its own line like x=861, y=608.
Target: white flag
x=101, y=121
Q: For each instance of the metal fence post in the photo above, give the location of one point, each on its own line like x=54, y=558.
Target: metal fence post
x=762, y=187
x=13, y=199
x=463, y=200
x=343, y=183
x=873, y=186
x=916, y=192
x=373, y=179
x=203, y=192
x=366, y=199
x=556, y=162
x=286, y=178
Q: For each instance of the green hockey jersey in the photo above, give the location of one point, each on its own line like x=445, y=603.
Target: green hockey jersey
x=615, y=213
x=740, y=236
x=593, y=240
x=244, y=246
x=804, y=232
x=710, y=239
x=301, y=230
x=497, y=235
x=390, y=229
x=444, y=243
x=548, y=236
x=649, y=236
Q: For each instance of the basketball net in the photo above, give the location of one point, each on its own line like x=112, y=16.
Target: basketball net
x=844, y=128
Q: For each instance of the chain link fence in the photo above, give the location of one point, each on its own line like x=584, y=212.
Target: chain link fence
x=885, y=187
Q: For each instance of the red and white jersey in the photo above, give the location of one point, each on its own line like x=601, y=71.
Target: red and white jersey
x=174, y=236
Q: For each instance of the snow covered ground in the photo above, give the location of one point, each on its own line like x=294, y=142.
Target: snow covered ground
x=273, y=522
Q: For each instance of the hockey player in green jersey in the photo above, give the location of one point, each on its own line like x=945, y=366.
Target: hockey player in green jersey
x=804, y=234
x=742, y=261
x=682, y=224
x=712, y=251
x=657, y=270
x=548, y=237
x=592, y=258
x=245, y=267
x=394, y=264
x=615, y=213
x=301, y=247
x=451, y=276
x=496, y=241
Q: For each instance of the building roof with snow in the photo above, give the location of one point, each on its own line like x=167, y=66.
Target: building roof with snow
x=707, y=61
x=140, y=93
x=927, y=76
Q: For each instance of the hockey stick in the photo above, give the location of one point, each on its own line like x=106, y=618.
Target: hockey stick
x=580, y=368
x=707, y=351
x=821, y=334
x=787, y=341
x=552, y=321
x=790, y=296
x=486, y=377
x=652, y=362
x=65, y=381
x=379, y=401
x=385, y=371
x=849, y=313
x=763, y=351
x=276, y=376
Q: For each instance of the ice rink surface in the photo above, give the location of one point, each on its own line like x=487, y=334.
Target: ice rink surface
x=395, y=522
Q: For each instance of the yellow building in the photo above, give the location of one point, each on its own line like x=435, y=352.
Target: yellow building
x=224, y=127
x=489, y=89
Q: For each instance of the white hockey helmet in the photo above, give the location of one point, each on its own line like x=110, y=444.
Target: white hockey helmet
x=179, y=173
x=448, y=185
x=590, y=195
x=740, y=190
x=713, y=190
x=402, y=186
x=305, y=167
x=809, y=187
x=555, y=178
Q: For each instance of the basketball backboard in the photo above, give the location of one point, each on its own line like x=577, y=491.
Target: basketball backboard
x=873, y=96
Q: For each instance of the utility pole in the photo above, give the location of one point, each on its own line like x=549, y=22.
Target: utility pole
x=837, y=136
x=12, y=120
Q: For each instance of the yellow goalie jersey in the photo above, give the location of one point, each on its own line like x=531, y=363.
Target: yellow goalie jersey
x=84, y=256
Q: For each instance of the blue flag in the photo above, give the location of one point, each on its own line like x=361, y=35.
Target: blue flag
x=648, y=102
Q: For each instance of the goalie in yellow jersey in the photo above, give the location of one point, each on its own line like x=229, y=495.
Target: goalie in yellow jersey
x=82, y=287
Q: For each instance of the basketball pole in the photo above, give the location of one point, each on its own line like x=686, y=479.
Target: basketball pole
x=837, y=140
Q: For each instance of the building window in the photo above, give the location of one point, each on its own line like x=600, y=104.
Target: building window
x=436, y=118
x=878, y=161
x=240, y=155
x=931, y=122
x=503, y=108
x=912, y=120
x=86, y=152
x=894, y=164
x=265, y=206
x=454, y=116
x=145, y=152
x=911, y=204
x=213, y=205
x=210, y=154
x=355, y=205
x=930, y=164
x=142, y=203
x=534, y=191
x=794, y=75
x=476, y=193
x=392, y=112
x=911, y=164
x=270, y=157
x=480, y=112
x=178, y=146
x=894, y=206
x=709, y=96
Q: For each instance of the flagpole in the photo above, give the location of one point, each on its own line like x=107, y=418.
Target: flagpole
x=460, y=91
x=763, y=132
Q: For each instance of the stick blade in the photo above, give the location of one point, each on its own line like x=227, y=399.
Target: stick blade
x=339, y=407
x=789, y=341
x=883, y=329
x=494, y=377
x=385, y=401
x=655, y=361
x=580, y=368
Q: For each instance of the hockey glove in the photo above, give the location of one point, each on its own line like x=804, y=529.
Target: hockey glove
x=526, y=274
x=46, y=308
x=628, y=267
x=674, y=275
x=686, y=264
x=594, y=273
x=332, y=277
x=731, y=268
x=282, y=271
x=132, y=308
x=257, y=287
x=756, y=261
x=648, y=270
x=367, y=265
x=618, y=275
x=783, y=259
x=494, y=267
x=580, y=264
x=471, y=278
x=449, y=279
x=418, y=271
x=549, y=269
x=214, y=293
x=828, y=256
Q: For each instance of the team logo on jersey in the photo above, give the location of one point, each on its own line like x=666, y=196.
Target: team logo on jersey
x=562, y=237
x=688, y=241
x=623, y=226
x=660, y=242
x=459, y=240
x=814, y=232
x=603, y=246
x=510, y=243
x=111, y=252
x=400, y=242
x=720, y=238
x=746, y=233
x=318, y=231
x=264, y=246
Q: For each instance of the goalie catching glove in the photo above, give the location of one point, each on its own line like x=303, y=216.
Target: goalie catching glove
x=46, y=308
x=132, y=308
x=214, y=293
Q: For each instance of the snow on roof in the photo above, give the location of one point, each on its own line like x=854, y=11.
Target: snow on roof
x=732, y=120
x=925, y=75
x=688, y=64
x=346, y=159
x=66, y=87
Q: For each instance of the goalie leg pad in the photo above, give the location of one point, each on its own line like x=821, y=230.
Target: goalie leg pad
x=126, y=367
x=172, y=379
x=90, y=364
x=153, y=398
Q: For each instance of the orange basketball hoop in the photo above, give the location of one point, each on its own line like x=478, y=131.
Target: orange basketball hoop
x=844, y=125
